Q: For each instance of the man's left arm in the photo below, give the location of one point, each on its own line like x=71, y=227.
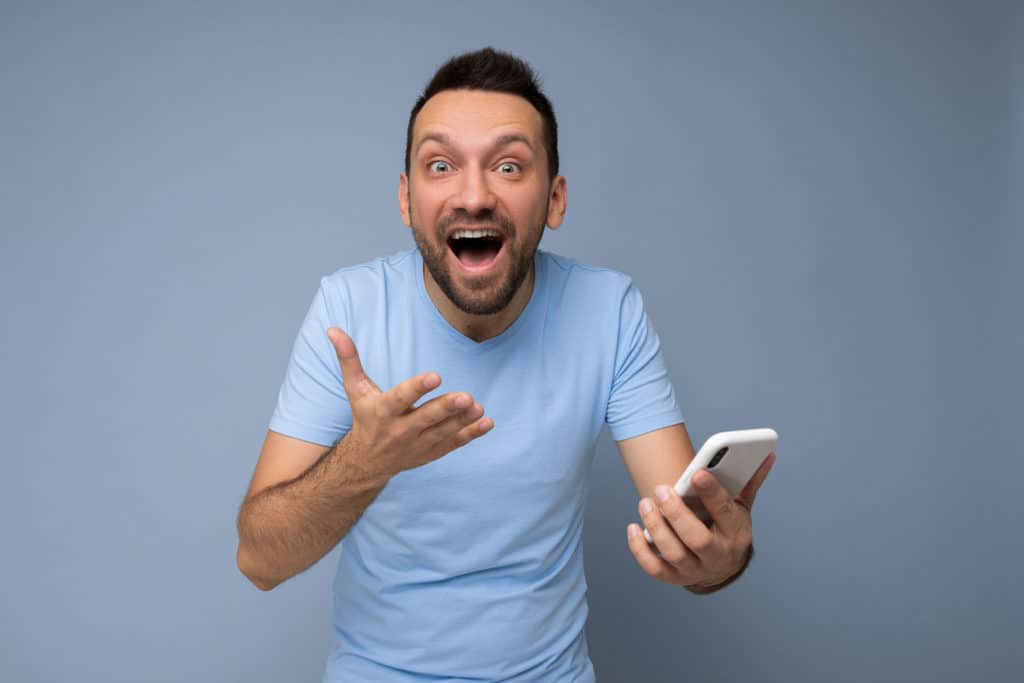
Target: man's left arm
x=702, y=559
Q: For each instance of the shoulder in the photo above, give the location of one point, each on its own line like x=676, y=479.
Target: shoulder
x=371, y=273
x=595, y=286
x=578, y=274
x=366, y=282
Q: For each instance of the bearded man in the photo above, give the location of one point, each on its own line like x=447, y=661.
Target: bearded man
x=460, y=531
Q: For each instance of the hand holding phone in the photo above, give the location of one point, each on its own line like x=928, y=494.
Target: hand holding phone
x=733, y=457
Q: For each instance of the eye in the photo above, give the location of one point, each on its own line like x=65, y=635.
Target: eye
x=513, y=168
x=438, y=166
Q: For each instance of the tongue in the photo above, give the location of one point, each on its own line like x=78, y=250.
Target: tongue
x=479, y=252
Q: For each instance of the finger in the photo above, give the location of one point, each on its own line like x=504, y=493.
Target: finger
x=724, y=511
x=438, y=410
x=400, y=398
x=455, y=423
x=695, y=535
x=690, y=529
x=645, y=557
x=453, y=433
x=357, y=383
x=749, y=492
x=473, y=431
x=662, y=533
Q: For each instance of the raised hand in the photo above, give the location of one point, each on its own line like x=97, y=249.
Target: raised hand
x=395, y=435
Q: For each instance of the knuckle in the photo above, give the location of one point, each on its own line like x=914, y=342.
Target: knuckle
x=674, y=555
x=461, y=438
x=654, y=516
x=435, y=411
x=648, y=516
x=673, y=508
x=701, y=543
x=395, y=432
x=406, y=393
x=364, y=385
x=433, y=454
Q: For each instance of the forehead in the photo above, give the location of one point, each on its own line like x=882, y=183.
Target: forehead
x=470, y=114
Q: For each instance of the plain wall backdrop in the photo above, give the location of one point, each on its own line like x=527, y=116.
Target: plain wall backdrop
x=820, y=201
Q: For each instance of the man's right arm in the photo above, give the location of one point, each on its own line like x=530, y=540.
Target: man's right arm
x=301, y=501
x=287, y=523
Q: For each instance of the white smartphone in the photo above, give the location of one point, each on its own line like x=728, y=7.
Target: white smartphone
x=732, y=457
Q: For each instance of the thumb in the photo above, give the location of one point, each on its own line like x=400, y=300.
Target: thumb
x=357, y=383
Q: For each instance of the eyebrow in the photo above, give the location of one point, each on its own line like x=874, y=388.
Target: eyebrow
x=499, y=142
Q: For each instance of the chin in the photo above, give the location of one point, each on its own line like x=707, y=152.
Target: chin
x=487, y=294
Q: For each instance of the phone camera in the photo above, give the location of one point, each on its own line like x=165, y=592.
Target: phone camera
x=718, y=456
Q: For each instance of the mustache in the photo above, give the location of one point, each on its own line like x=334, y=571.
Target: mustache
x=459, y=219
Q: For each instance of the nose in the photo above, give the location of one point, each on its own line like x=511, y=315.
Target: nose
x=474, y=192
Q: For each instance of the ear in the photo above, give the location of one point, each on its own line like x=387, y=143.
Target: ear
x=403, y=198
x=556, y=203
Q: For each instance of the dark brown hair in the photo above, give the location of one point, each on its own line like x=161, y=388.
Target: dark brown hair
x=495, y=71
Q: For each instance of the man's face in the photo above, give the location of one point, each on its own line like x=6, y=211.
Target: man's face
x=477, y=160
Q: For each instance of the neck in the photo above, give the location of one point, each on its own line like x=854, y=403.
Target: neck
x=480, y=328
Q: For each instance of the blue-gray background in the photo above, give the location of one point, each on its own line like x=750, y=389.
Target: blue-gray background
x=820, y=201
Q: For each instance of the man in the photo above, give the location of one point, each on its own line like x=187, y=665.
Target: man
x=460, y=532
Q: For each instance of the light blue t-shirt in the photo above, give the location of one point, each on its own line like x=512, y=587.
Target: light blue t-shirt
x=470, y=568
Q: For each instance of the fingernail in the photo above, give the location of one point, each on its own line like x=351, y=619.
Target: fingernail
x=632, y=531
x=661, y=493
x=645, y=507
x=431, y=381
x=461, y=401
x=702, y=480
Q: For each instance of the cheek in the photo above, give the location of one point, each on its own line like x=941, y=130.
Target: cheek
x=422, y=209
x=527, y=207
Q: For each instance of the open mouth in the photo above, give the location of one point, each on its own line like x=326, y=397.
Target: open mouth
x=476, y=253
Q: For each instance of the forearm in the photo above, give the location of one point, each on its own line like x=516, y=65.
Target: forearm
x=288, y=527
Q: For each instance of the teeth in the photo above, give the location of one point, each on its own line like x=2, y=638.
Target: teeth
x=461, y=234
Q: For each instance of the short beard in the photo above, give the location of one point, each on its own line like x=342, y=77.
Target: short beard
x=436, y=261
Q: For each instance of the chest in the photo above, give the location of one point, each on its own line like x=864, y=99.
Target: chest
x=547, y=397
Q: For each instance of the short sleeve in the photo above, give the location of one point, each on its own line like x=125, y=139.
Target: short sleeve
x=312, y=404
x=641, y=398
